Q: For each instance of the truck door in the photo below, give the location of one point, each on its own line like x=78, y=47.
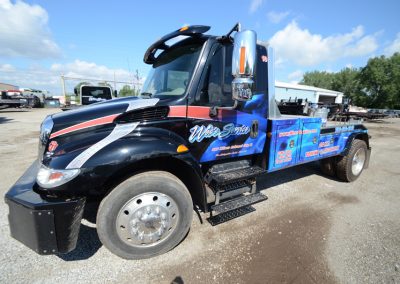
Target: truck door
x=216, y=134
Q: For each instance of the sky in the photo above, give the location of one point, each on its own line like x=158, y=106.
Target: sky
x=41, y=40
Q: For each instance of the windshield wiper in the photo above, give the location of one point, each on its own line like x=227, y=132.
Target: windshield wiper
x=146, y=94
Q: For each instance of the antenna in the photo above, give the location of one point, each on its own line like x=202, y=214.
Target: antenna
x=236, y=28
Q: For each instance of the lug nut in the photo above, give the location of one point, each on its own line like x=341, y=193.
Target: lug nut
x=139, y=214
x=163, y=216
x=148, y=210
x=158, y=210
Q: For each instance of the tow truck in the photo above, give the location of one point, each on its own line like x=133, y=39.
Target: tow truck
x=89, y=94
x=205, y=127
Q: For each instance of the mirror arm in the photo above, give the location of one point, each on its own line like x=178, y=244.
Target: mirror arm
x=214, y=109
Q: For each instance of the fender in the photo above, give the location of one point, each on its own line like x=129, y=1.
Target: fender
x=361, y=136
x=146, y=148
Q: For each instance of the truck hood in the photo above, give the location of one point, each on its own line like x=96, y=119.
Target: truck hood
x=96, y=114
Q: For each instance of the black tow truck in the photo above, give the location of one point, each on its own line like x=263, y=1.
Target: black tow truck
x=205, y=126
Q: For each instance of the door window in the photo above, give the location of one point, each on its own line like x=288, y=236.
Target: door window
x=216, y=87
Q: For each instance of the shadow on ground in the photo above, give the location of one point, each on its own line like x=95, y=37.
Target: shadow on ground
x=5, y=120
x=290, y=174
x=88, y=240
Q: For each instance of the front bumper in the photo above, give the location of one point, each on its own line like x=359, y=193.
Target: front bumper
x=45, y=225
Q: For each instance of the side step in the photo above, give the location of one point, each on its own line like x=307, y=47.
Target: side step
x=226, y=177
x=235, y=208
x=239, y=202
x=227, y=216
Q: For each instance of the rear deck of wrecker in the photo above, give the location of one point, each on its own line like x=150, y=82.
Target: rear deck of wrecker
x=291, y=140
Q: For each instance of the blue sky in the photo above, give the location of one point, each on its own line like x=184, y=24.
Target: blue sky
x=40, y=40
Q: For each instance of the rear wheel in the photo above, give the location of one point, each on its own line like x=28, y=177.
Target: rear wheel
x=146, y=215
x=349, y=167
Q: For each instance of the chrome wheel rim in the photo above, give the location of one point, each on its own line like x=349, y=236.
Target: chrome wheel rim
x=358, y=162
x=147, y=219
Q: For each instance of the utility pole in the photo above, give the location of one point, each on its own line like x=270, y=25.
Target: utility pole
x=63, y=88
x=115, y=86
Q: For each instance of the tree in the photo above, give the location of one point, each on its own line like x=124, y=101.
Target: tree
x=126, y=91
x=377, y=85
x=347, y=81
x=380, y=81
x=320, y=79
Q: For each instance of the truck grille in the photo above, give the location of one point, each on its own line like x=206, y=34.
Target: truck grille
x=154, y=113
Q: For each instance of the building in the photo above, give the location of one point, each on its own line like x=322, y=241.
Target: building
x=4, y=86
x=286, y=91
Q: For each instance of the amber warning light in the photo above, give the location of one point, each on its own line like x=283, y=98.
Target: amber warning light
x=242, y=59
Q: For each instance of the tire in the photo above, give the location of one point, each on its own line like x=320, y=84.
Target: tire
x=35, y=103
x=346, y=170
x=146, y=215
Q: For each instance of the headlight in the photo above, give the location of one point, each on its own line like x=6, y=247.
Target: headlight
x=49, y=178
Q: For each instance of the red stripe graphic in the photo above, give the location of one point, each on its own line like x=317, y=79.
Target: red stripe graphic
x=199, y=112
x=177, y=111
x=86, y=124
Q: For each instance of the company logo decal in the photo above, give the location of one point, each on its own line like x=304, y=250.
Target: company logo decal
x=52, y=146
x=297, y=132
x=198, y=133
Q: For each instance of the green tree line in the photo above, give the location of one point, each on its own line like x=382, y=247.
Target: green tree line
x=376, y=85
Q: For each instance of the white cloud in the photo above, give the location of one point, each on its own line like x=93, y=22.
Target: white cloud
x=49, y=78
x=84, y=69
x=277, y=17
x=254, y=5
x=306, y=49
x=295, y=76
x=393, y=47
x=24, y=31
x=6, y=68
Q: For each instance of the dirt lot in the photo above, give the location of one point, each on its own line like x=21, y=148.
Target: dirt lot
x=312, y=229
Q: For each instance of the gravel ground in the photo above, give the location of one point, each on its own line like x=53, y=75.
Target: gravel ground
x=311, y=229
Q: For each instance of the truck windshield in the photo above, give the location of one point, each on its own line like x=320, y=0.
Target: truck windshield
x=171, y=73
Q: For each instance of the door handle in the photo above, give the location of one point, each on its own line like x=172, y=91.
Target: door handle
x=254, y=129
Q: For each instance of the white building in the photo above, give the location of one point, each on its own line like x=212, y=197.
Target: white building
x=286, y=91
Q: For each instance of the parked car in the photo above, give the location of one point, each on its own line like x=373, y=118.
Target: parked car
x=391, y=114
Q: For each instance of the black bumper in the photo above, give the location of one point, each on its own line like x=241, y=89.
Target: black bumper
x=45, y=225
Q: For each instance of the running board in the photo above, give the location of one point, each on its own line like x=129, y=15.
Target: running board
x=227, y=216
x=239, y=202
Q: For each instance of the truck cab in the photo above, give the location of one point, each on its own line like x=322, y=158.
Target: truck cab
x=204, y=128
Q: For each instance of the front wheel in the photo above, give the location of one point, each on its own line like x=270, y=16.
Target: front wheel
x=349, y=167
x=144, y=216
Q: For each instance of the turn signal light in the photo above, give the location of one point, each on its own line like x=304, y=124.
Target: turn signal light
x=242, y=59
x=182, y=148
x=184, y=28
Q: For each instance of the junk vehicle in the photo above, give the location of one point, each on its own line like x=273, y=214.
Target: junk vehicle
x=205, y=126
x=17, y=98
x=12, y=98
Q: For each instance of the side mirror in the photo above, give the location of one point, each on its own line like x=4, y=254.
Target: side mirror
x=243, y=65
